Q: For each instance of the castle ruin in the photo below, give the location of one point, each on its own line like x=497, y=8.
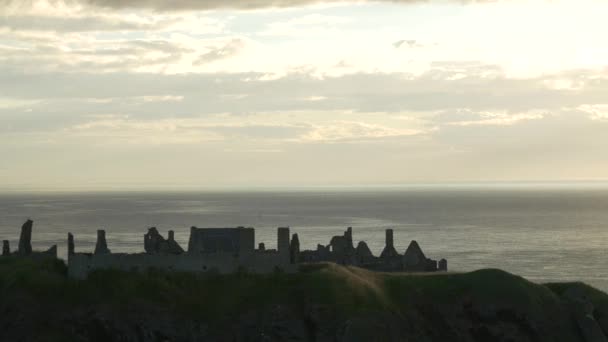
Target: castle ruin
x=341, y=250
x=25, y=245
x=229, y=250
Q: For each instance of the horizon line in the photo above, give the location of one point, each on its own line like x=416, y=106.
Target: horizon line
x=505, y=185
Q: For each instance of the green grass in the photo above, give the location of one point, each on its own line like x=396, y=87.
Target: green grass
x=214, y=298
x=206, y=296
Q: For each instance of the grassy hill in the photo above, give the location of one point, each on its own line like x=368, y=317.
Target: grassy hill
x=323, y=302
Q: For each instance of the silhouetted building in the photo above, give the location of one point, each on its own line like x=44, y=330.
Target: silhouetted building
x=227, y=250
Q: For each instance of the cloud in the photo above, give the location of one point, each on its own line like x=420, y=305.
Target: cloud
x=410, y=43
x=82, y=23
x=345, y=131
x=269, y=127
x=491, y=118
x=98, y=56
x=308, y=25
x=597, y=112
x=177, y=5
x=227, y=50
x=116, y=130
x=242, y=93
x=44, y=17
x=162, y=98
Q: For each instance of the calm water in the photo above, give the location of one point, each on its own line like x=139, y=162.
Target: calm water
x=544, y=235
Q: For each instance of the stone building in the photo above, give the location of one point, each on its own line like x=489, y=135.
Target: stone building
x=156, y=243
x=340, y=250
x=228, y=250
x=222, y=250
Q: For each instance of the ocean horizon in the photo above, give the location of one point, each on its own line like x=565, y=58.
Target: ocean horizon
x=543, y=233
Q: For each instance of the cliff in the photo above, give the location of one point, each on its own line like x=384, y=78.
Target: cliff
x=323, y=302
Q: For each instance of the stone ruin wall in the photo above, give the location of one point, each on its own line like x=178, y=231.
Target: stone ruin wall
x=246, y=259
x=341, y=250
x=233, y=252
x=25, y=245
x=81, y=264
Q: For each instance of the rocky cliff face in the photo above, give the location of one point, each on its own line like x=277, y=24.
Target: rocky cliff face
x=322, y=303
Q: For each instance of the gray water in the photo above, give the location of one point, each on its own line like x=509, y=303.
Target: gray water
x=542, y=234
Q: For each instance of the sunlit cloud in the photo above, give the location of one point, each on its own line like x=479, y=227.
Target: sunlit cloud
x=420, y=89
x=500, y=118
x=597, y=112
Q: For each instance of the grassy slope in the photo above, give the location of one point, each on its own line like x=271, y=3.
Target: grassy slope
x=349, y=290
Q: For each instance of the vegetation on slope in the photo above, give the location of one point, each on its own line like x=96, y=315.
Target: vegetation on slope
x=321, y=299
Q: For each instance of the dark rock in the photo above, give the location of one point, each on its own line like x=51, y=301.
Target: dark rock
x=321, y=322
x=272, y=323
x=132, y=326
x=583, y=311
x=371, y=327
x=590, y=329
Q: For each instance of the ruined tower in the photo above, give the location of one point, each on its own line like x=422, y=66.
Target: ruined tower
x=25, y=240
x=102, y=246
x=283, y=243
x=294, y=249
x=71, y=247
x=349, y=238
x=6, y=248
x=389, y=250
x=152, y=240
x=389, y=238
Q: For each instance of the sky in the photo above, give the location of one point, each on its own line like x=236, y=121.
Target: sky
x=146, y=94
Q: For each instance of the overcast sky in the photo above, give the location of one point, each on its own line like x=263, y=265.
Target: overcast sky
x=98, y=94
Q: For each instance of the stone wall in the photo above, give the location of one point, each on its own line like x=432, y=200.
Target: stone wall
x=81, y=264
x=25, y=245
x=222, y=250
x=340, y=250
x=283, y=245
x=227, y=250
x=225, y=240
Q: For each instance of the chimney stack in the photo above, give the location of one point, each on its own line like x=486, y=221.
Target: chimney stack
x=70, y=244
x=102, y=246
x=389, y=238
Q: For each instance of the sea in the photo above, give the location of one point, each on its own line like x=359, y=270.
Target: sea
x=543, y=233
